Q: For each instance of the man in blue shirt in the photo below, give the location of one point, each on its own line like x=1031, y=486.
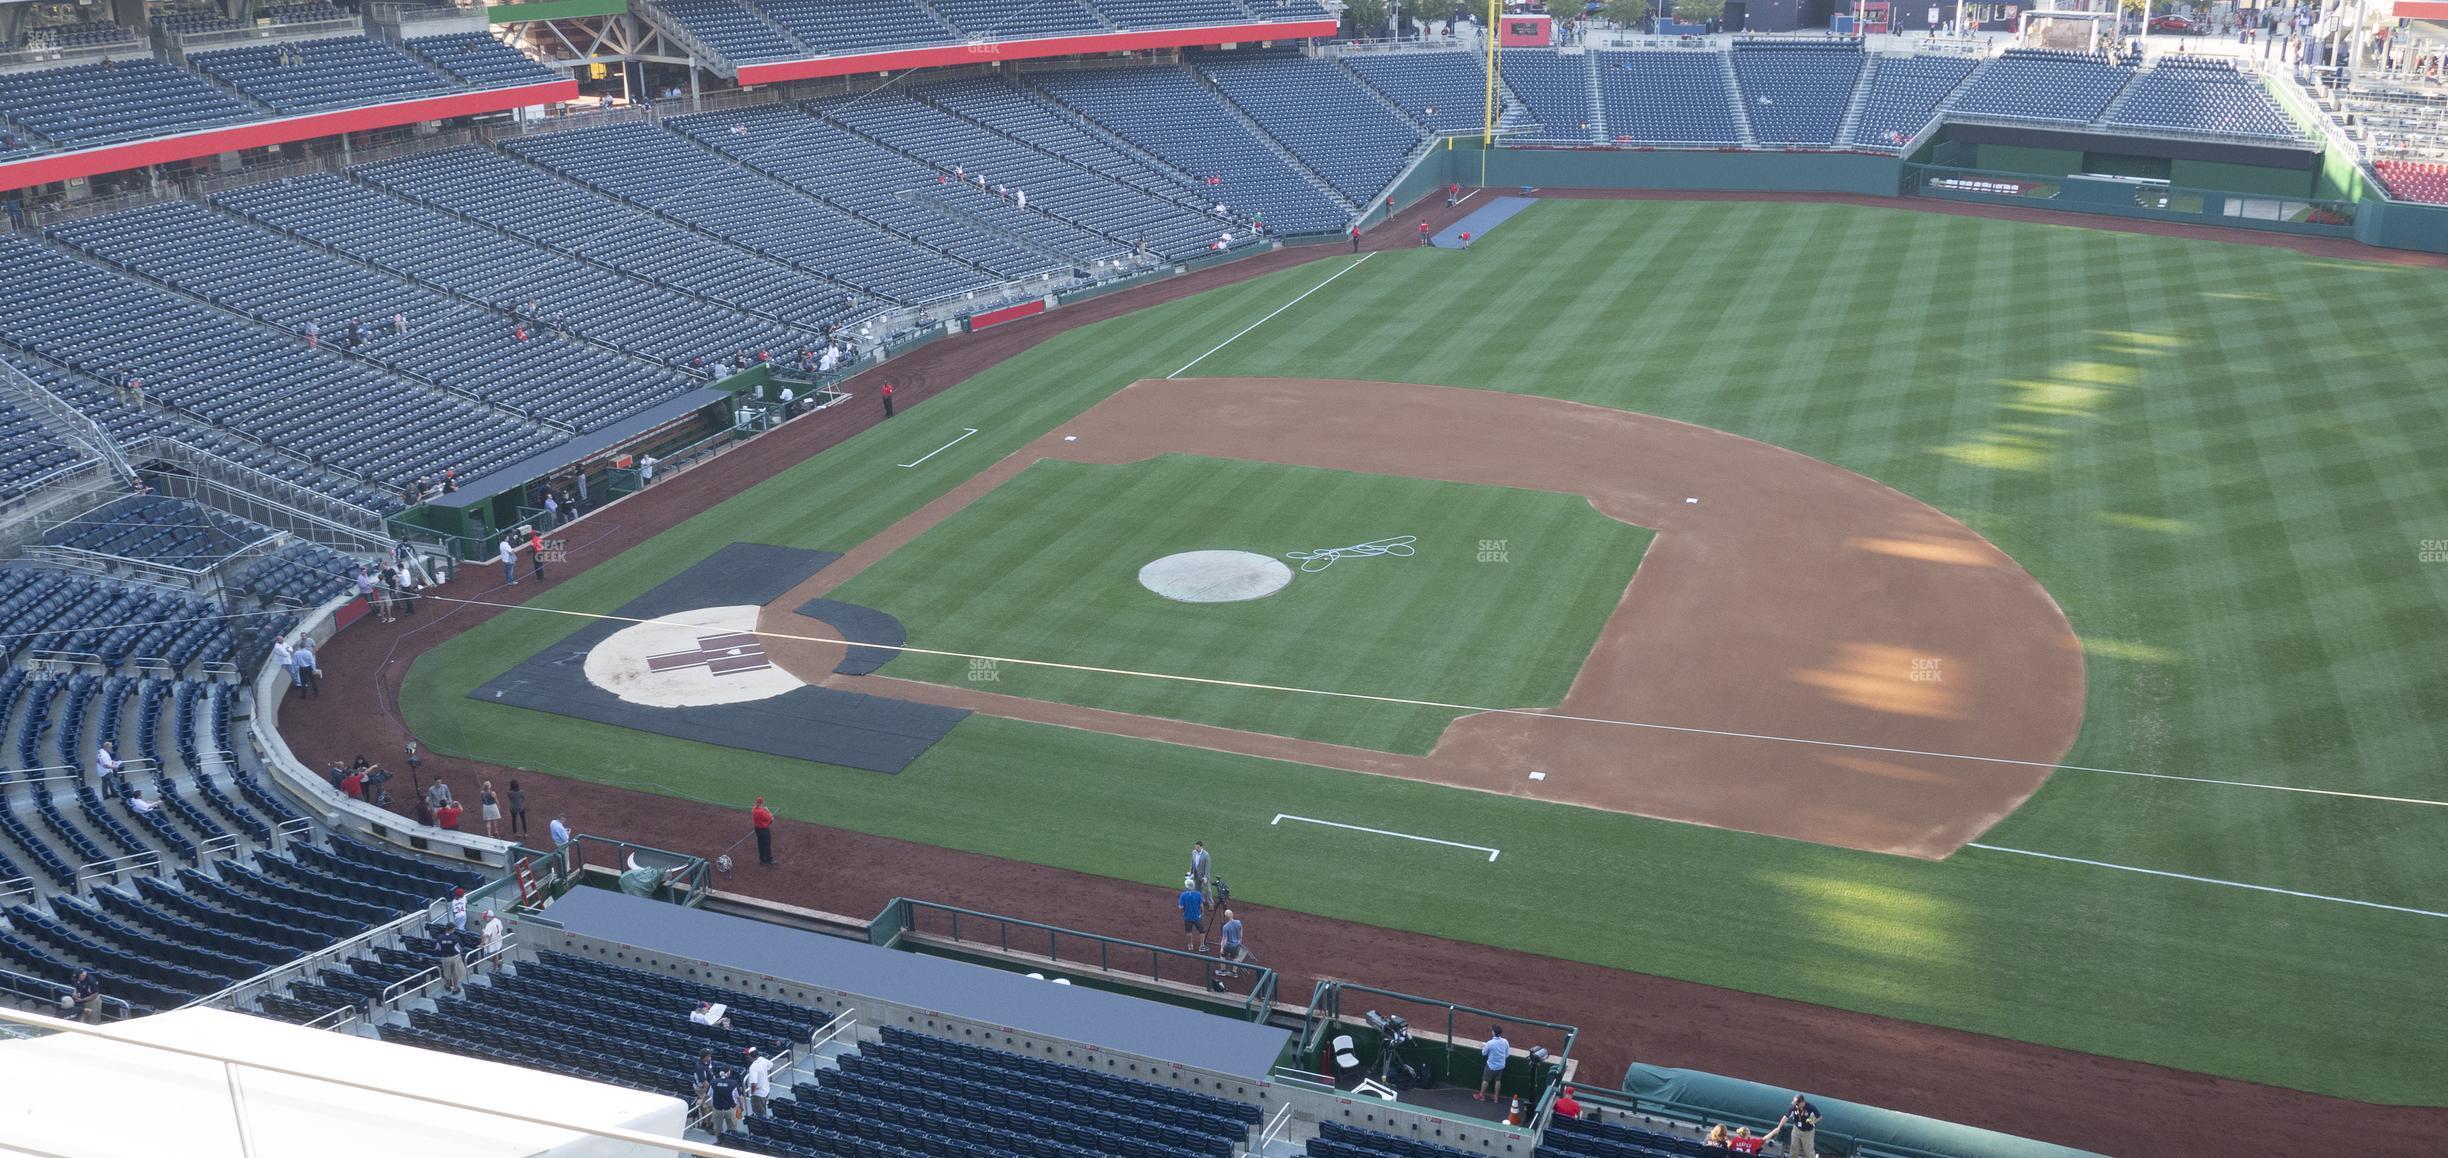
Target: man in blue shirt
x=1194, y=912
x=1495, y=1053
x=1232, y=952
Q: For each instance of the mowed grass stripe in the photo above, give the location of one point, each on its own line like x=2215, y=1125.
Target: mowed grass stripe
x=2196, y=598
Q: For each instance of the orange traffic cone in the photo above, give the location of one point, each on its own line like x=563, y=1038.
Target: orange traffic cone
x=1513, y=1116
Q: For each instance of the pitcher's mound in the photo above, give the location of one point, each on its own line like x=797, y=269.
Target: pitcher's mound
x=1215, y=576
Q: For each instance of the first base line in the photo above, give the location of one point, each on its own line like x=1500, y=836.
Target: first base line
x=1280, y=817
x=966, y=431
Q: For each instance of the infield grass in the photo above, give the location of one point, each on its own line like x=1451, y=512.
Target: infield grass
x=2223, y=460
x=1047, y=567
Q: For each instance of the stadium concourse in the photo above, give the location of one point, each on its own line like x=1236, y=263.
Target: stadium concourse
x=1992, y=1082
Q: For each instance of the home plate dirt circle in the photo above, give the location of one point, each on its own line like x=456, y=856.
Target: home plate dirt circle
x=1215, y=576
x=688, y=659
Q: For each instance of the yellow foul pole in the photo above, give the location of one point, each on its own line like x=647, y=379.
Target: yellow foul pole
x=1487, y=124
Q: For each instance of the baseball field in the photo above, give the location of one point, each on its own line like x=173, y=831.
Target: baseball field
x=1967, y=491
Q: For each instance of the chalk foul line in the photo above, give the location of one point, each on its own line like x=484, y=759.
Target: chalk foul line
x=966, y=431
x=1270, y=317
x=1280, y=817
x=2126, y=868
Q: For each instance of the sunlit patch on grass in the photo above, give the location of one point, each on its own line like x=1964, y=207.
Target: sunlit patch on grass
x=2128, y=650
x=2147, y=523
x=1998, y=452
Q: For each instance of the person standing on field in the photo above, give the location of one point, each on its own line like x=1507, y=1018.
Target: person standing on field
x=1194, y=913
x=761, y=818
x=886, y=394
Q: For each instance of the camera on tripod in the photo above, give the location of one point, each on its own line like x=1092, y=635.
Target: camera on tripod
x=1393, y=1033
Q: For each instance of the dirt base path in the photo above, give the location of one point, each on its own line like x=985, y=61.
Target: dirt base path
x=2077, y=1099
x=1794, y=599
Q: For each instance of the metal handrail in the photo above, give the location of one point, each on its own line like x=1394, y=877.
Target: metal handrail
x=349, y=1014
x=1256, y=1005
x=93, y=870
x=16, y=887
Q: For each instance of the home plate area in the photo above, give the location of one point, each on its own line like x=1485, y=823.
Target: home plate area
x=684, y=660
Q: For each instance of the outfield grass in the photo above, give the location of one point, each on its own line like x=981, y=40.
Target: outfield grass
x=2218, y=458
x=1047, y=567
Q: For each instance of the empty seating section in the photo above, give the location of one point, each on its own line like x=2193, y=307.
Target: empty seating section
x=1557, y=90
x=343, y=72
x=185, y=23
x=1003, y=20
x=1069, y=172
x=2204, y=96
x=1446, y=91
x=663, y=172
x=850, y=26
x=448, y=344
x=111, y=625
x=1666, y=97
x=1795, y=91
x=1582, y=1138
x=1905, y=92
x=502, y=193
x=587, y=1018
x=91, y=104
x=2039, y=84
x=254, y=383
x=1169, y=113
x=1332, y=123
x=84, y=34
x=479, y=265
x=33, y=451
x=734, y=30
x=158, y=530
x=481, y=61
x=887, y=188
x=1336, y=1140
x=303, y=13
x=937, y=1096
x=2414, y=180
x=1172, y=13
x=2400, y=120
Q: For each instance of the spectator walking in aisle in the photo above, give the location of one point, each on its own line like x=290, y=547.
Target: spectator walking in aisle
x=518, y=809
x=136, y=390
x=535, y=549
x=106, y=765
x=702, y=1081
x=489, y=939
x=1194, y=912
x=314, y=334
x=449, y=960
x=1801, y=1123
x=488, y=807
x=726, y=1102
x=86, y=996
x=309, y=676
x=886, y=395
x=761, y=818
x=458, y=910
x=1496, y=1053
x=759, y=1084
x=399, y=324
x=509, y=561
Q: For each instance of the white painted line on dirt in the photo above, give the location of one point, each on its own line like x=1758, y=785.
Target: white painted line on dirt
x=2126, y=868
x=1271, y=317
x=965, y=432
x=1280, y=817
